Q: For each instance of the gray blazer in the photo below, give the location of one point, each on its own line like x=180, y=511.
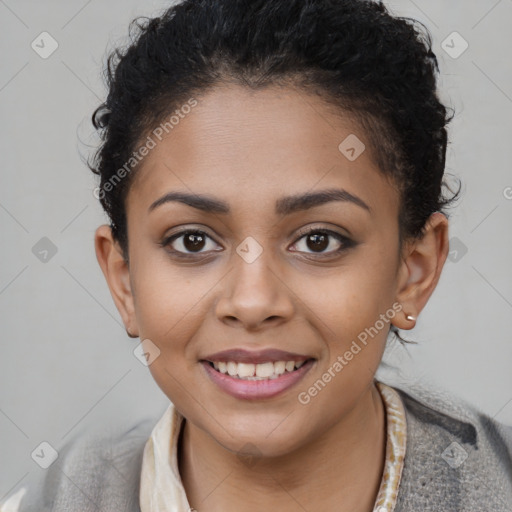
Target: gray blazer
x=457, y=460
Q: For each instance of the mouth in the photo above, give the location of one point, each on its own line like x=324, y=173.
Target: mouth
x=261, y=371
x=256, y=375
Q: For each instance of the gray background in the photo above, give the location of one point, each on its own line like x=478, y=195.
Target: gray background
x=67, y=363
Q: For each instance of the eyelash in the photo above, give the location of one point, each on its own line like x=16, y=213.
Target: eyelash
x=346, y=243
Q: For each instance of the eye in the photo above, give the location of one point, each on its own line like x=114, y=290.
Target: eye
x=319, y=240
x=189, y=242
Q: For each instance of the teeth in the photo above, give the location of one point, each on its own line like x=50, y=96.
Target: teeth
x=245, y=369
x=232, y=368
x=264, y=370
x=279, y=367
x=261, y=371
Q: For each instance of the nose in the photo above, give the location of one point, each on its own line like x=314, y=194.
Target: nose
x=255, y=295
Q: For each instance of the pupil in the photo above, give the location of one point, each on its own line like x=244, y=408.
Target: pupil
x=193, y=241
x=321, y=242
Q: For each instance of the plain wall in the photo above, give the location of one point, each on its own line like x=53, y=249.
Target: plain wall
x=67, y=362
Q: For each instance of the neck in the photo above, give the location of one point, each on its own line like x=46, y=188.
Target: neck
x=341, y=470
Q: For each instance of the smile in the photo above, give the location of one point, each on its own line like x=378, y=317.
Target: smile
x=253, y=381
x=261, y=371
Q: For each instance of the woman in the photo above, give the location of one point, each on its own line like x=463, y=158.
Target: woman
x=273, y=174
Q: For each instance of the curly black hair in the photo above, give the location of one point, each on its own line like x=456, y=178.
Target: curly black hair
x=354, y=54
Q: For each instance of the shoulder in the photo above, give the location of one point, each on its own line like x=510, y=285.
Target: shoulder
x=457, y=457
x=93, y=471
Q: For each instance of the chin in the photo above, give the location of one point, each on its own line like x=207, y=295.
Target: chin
x=262, y=441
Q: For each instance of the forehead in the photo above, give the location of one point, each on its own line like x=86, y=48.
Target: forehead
x=248, y=147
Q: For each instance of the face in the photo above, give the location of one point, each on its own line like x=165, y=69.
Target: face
x=278, y=260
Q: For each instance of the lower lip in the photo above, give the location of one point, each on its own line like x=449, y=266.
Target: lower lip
x=255, y=389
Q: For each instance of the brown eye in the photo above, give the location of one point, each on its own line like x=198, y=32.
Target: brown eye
x=318, y=241
x=193, y=241
x=189, y=242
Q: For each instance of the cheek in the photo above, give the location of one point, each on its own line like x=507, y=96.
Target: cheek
x=352, y=312
x=169, y=299
x=170, y=311
x=352, y=297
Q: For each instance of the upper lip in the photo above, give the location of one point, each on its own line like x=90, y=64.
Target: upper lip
x=241, y=355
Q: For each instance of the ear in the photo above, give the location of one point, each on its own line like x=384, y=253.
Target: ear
x=116, y=272
x=420, y=269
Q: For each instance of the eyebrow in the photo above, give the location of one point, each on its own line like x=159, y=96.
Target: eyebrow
x=284, y=205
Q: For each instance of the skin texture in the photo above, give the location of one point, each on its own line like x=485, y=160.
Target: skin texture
x=249, y=149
